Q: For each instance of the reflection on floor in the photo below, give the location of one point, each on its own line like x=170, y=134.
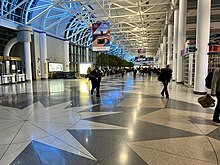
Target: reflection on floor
x=57, y=122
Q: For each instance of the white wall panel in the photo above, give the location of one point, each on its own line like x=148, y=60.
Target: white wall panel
x=55, y=50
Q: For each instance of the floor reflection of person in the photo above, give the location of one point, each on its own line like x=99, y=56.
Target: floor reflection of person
x=95, y=77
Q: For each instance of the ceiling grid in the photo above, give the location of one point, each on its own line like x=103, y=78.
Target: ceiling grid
x=135, y=24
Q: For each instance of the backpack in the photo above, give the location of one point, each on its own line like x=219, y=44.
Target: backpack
x=160, y=78
x=208, y=80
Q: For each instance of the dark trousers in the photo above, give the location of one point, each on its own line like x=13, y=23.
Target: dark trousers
x=95, y=85
x=165, y=84
x=217, y=108
x=134, y=74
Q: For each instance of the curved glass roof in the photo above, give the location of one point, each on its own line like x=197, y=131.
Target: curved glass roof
x=66, y=19
x=16, y=10
x=135, y=24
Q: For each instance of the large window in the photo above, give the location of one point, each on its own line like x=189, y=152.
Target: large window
x=73, y=58
x=78, y=54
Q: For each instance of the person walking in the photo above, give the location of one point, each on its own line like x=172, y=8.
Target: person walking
x=134, y=73
x=89, y=70
x=95, y=77
x=122, y=72
x=215, y=91
x=165, y=76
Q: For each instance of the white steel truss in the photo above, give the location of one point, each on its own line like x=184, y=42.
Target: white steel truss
x=135, y=24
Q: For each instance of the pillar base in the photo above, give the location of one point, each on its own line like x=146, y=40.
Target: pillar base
x=199, y=93
x=180, y=82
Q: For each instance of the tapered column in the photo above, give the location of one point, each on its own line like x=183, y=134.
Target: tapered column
x=158, y=56
x=24, y=36
x=181, y=37
x=169, y=44
x=27, y=52
x=175, y=42
x=161, y=55
x=202, y=40
x=164, y=51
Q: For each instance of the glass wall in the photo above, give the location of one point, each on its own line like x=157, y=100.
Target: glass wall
x=78, y=54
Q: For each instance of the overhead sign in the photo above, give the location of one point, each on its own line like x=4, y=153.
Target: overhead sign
x=101, y=36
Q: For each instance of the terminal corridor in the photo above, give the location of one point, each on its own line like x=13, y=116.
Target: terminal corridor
x=57, y=122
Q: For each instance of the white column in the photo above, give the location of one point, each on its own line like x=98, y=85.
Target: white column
x=164, y=51
x=202, y=40
x=175, y=42
x=158, y=56
x=43, y=56
x=190, y=78
x=87, y=54
x=27, y=52
x=181, y=37
x=24, y=36
x=37, y=64
x=169, y=45
x=161, y=55
x=72, y=57
x=66, y=57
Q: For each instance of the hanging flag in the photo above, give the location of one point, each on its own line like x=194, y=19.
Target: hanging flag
x=101, y=36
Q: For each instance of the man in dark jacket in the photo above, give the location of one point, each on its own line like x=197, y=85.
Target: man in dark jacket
x=215, y=91
x=166, y=75
x=95, y=78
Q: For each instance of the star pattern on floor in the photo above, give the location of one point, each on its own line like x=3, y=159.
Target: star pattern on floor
x=181, y=124
x=49, y=126
x=125, y=126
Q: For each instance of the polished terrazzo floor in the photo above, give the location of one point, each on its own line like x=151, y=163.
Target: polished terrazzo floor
x=57, y=122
